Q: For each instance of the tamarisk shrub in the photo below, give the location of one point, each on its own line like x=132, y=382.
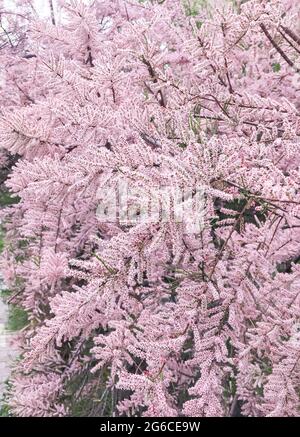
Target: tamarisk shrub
x=155, y=317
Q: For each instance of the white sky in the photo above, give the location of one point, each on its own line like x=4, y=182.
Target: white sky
x=41, y=6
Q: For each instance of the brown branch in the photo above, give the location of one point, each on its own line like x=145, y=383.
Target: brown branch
x=159, y=95
x=276, y=46
x=234, y=227
x=289, y=42
x=52, y=12
x=291, y=34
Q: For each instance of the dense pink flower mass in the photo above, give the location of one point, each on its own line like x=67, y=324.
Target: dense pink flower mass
x=160, y=317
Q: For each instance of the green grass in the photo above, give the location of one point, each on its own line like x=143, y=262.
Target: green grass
x=4, y=407
x=17, y=318
x=4, y=410
x=6, y=199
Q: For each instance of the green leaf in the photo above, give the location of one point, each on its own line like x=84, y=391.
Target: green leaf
x=276, y=67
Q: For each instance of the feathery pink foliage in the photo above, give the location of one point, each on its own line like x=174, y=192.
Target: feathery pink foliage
x=166, y=321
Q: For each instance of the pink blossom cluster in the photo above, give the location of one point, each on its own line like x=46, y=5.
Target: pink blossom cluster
x=148, y=318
